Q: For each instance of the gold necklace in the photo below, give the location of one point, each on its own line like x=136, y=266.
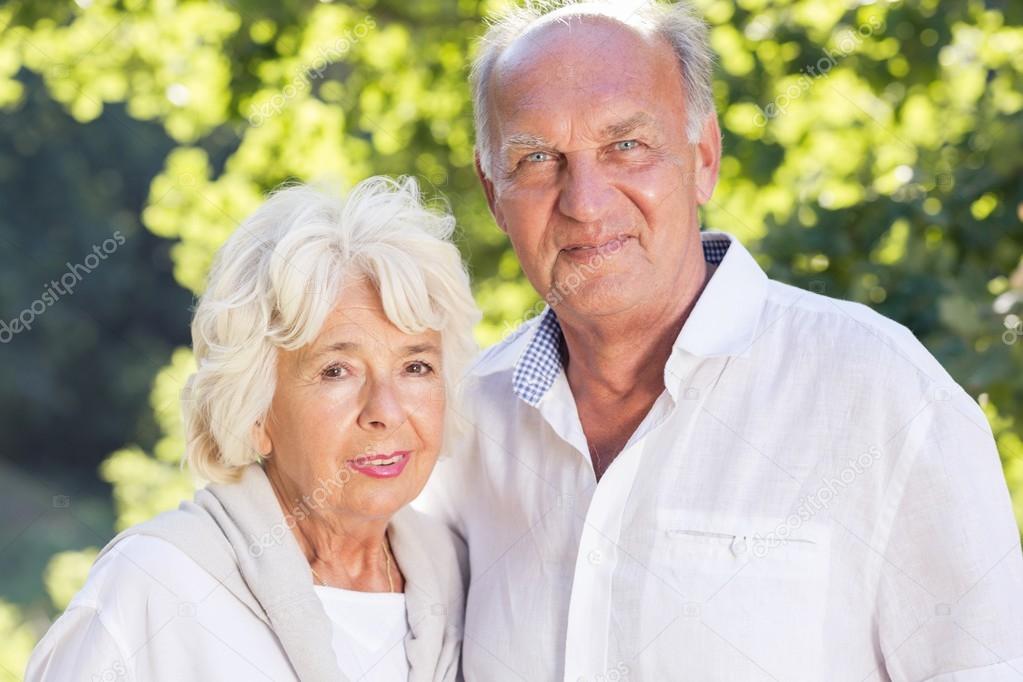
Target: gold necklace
x=387, y=567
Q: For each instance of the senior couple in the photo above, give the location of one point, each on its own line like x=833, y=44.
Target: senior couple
x=682, y=470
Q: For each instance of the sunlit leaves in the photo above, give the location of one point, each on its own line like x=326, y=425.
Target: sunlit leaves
x=1007, y=435
x=144, y=486
x=16, y=639
x=66, y=573
x=166, y=60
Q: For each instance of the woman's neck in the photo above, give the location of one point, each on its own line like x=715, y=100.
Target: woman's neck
x=342, y=550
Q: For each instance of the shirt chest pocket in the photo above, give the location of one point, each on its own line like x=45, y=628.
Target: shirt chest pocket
x=759, y=585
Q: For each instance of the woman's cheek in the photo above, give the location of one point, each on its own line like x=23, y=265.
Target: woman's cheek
x=425, y=402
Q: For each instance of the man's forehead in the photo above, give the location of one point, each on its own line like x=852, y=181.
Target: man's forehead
x=590, y=59
x=574, y=39
x=600, y=84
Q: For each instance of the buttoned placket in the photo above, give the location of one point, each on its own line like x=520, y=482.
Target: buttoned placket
x=586, y=645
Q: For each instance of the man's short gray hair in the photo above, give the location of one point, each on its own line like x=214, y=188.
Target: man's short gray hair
x=676, y=22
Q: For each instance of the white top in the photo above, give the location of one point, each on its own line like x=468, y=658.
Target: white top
x=149, y=613
x=369, y=633
x=811, y=498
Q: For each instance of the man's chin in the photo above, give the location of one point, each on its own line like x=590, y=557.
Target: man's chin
x=610, y=295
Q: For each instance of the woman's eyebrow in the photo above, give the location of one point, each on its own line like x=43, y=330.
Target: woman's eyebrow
x=351, y=347
x=336, y=347
x=417, y=348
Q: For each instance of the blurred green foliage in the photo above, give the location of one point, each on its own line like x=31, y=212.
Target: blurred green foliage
x=66, y=187
x=872, y=152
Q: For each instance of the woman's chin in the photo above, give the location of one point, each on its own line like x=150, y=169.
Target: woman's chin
x=382, y=502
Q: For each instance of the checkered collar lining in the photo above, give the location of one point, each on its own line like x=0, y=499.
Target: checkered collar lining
x=539, y=365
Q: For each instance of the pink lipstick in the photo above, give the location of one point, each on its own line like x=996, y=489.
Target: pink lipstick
x=379, y=465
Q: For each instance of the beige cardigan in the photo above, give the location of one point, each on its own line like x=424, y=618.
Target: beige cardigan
x=227, y=530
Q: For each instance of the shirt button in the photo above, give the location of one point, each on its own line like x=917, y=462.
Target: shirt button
x=595, y=557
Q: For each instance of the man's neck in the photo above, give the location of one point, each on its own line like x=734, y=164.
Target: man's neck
x=616, y=367
x=614, y=357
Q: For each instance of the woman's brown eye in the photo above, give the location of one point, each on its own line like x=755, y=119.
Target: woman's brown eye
x=419, y=368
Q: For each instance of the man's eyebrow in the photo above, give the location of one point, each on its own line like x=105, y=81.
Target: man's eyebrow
x=612, y=131
x=629, y=125
x=525, y=140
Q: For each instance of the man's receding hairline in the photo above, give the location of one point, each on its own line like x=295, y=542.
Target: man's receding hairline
x=563, y=18
x=652, y=38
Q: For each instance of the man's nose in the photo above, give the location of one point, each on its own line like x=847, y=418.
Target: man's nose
x=586, y=191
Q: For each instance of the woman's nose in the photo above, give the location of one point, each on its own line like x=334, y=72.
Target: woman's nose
x=382, y=410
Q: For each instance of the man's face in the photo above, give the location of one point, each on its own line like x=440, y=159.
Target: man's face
x=593, y=178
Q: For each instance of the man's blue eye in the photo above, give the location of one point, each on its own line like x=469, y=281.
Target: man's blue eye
x=537, y=157
x=626, y=145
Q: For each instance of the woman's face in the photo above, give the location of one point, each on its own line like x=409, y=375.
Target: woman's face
x=357, y=415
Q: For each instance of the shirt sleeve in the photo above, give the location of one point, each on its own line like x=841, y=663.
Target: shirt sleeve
x=79, y=646
x=950, y=597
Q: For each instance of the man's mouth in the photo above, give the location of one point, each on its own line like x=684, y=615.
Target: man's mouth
x=608, y=247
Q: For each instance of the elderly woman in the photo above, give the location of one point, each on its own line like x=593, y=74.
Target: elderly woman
x=328, y=343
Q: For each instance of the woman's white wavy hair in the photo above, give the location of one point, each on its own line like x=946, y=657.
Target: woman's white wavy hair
x=278, y=276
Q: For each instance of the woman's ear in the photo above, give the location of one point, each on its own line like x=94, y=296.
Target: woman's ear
x=261, y=438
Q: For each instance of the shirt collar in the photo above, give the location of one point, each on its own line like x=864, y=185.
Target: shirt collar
x=722, y=322
x=725, y=318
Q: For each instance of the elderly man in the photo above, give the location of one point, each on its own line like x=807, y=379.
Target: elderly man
x=683, y=470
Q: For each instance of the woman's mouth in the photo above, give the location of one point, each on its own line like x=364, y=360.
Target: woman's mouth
x=381, y=465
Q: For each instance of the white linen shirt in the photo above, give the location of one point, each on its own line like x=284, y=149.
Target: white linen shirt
x=812, y=497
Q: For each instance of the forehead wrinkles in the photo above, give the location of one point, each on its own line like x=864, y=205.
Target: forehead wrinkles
x=552, y=87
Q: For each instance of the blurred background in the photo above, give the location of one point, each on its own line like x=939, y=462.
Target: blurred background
x=873, y=151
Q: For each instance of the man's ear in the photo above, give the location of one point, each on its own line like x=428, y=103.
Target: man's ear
x=488, y=190
x=708, y=159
